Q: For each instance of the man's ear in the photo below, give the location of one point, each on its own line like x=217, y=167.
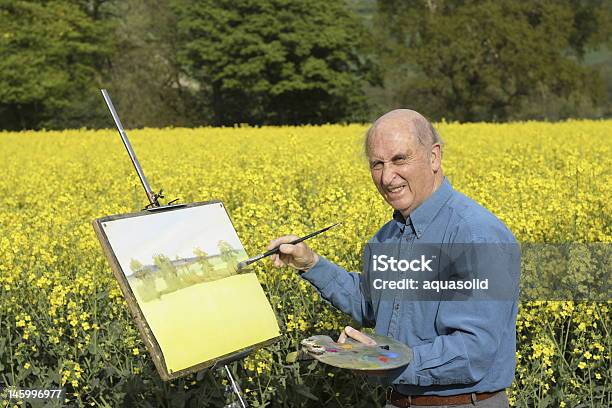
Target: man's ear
x=436, y=157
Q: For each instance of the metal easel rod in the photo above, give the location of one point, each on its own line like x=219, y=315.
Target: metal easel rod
x=235, y=387
x=126, y=142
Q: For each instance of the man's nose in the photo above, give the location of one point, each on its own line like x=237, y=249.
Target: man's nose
x=388, y=174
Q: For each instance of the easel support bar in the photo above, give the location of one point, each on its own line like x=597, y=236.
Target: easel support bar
x=235, y=387
x=126, y=142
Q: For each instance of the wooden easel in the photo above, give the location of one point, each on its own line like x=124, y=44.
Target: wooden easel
x=154, y=206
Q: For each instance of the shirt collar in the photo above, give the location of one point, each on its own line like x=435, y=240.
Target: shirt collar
x=424, y=214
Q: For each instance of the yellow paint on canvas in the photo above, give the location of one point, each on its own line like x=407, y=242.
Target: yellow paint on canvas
x=211, y=319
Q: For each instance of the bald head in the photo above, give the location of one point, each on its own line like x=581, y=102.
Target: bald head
x=407, y=120
x=405, y=157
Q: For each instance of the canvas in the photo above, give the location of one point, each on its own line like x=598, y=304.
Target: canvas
x=177, y=269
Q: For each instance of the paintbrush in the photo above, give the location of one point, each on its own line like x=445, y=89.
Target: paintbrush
x=276, y=250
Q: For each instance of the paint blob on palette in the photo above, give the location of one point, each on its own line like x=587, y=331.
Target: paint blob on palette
x=387, y=354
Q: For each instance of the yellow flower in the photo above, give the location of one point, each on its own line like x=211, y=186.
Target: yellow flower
x=532, y=175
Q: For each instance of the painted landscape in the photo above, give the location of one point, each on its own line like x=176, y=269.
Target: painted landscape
x=166, y=275
x=181, y=267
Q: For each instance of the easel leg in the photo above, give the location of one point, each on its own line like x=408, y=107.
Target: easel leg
x=236, y=389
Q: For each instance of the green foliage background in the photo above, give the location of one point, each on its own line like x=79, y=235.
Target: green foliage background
x=496, y=60
x=275, y=61
x=221, y=62
x=51, y=56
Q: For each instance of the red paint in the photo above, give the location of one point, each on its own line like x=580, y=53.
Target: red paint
x=383, y=359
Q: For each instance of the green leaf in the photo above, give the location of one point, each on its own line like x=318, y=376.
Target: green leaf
x=304, y=390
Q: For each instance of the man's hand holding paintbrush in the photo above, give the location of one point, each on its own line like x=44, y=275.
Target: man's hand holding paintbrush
x=298, y=256
x=291, y=249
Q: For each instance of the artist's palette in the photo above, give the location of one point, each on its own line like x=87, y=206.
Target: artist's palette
x=387, y=354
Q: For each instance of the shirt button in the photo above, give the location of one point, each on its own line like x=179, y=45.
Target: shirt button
x=397, y=306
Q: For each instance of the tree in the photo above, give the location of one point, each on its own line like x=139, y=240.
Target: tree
x=227, y=252
x=206, y=267
x=167, y=271
x=275, y=61
x=145, y=79
x=493, y=60
x=51, y=57
x=136, y=266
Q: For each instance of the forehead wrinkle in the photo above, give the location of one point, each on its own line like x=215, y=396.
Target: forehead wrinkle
x=393, y=152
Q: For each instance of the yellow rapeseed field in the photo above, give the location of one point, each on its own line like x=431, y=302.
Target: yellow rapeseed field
x=64, y=323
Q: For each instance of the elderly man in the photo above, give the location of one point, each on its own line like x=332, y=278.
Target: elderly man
x=463, y=351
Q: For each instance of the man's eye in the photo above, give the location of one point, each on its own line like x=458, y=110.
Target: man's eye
x=376, y=166
x=401, y=161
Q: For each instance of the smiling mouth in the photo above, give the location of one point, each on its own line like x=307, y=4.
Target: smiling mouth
x=395, y=190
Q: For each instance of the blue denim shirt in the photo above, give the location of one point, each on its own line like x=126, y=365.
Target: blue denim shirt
x=458, y=346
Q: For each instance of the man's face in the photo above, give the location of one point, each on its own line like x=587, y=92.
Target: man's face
x=402, y=169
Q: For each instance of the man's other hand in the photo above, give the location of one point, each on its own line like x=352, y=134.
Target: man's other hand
x=298, y=256
x=355, y=334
